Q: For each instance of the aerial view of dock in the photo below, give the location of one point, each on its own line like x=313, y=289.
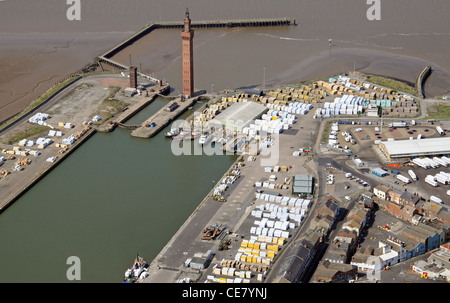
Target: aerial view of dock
x=211, y=147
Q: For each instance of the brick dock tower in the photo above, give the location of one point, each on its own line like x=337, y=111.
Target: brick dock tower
x=133, y=77
x=188, y=57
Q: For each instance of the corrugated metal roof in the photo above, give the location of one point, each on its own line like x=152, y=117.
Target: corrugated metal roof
x=239, y=114
x=417, y=146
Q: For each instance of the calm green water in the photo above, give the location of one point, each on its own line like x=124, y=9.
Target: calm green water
x=113, y=197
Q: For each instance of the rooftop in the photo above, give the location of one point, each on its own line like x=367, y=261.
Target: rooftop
x=431, y=146
x=239, y=115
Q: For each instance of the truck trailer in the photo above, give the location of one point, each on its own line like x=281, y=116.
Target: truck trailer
x=412, y=175
x=398, y=124
x=430, y=180
x=403, y=179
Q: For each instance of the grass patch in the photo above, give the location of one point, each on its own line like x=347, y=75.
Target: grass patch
x=39, y=101
x=396, y=85
x=29, y=132
x=326, y=133
x=439, y=111
x=111, y=106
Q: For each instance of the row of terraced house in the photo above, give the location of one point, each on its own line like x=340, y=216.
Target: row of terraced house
x=429, y=229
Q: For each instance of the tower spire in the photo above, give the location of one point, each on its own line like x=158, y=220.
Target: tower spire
x=187, y=22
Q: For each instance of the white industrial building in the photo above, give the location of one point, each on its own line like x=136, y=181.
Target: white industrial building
x=238, y=116
x=415, y=148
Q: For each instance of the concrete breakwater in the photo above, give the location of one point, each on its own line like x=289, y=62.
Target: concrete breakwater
x=421, y=78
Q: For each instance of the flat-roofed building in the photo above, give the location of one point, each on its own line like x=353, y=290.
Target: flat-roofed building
x=302, y=185
x=415, y=148
x=238, y=116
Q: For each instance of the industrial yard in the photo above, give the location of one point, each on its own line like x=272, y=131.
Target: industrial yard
x=31, y=148
x=269, y=206
x=263, y=218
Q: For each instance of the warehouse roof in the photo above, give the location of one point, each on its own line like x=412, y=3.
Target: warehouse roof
x=239, y=115
x=303, y=184
x=405, y=148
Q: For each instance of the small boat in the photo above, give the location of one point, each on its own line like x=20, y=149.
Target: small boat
x=183, y=135
x=196, y=134
x=204, y=139
x=137, y=272
x=172, y=133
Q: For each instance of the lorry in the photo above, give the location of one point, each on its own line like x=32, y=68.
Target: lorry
x=403, y=179
x=440, y=161
x=421, y=163
x=440, y=130
x=412, y=175
x=442, y=178
x=431, y=180
x=397, y=124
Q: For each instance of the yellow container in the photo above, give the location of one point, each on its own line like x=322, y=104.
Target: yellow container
x=244, y=243
x=249, y=259
x=281, y=241
x=272, y=247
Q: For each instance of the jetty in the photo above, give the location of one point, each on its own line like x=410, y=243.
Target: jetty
x=105, y=58
x=163, y=117
x=130, y=111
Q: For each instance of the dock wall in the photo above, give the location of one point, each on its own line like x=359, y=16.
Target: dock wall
x=162, y=118
x=421, y=78
x=106, y=57
x=78, y=143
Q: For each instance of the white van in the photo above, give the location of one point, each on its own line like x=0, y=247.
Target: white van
x=435, y=199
